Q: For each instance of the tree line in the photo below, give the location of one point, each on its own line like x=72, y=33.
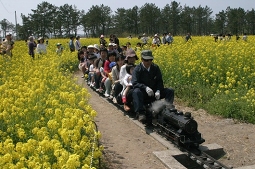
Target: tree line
x=49, y=20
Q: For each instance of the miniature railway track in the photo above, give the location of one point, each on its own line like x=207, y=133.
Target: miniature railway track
x=203, y=159
x=206, y=161
x=198, y=156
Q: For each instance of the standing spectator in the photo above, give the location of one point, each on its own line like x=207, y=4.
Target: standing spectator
x=216, y=37
x=148, y=85
x=169, y=38
x=102, y=41
x=31, y=47
x=144, y=39
x=71, y=44
x=188, y=37
x=237, y=37
x=164, y=39
x=115, y=40
x=59, y=49
x=156, y=40
x=46, y=42
x=41, y=47
x=245, y=37
x=7, y=45
x=77, y=43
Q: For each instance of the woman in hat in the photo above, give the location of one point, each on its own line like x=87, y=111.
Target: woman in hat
x=156, y=40
x=102, y=41
x=41, y=47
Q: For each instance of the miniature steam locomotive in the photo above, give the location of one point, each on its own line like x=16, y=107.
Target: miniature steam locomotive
x=179, y=127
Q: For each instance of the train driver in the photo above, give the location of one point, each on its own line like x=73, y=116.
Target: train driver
x=148, y=85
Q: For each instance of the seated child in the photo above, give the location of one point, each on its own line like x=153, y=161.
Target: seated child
x=91, y=79
x=127, y=84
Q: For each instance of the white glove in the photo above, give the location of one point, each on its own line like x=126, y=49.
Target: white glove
x=157, y=95
x=149, y=91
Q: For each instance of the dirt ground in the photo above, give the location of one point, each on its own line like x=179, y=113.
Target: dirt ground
x=127, y=146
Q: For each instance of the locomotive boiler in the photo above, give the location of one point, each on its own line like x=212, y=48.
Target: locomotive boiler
x=179, y=127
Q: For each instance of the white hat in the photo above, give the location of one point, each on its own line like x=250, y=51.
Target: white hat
x=102, y=36
x=31, y=38
x=90, y=46
x=156, y=35
x=96, y=46
x=143, y=34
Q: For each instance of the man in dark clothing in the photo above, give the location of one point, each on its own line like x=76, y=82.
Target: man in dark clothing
x=148, y=85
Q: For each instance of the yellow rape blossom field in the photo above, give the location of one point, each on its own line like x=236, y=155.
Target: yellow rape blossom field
x=45, y=119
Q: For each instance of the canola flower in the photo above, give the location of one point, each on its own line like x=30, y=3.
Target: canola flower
x=45, y=119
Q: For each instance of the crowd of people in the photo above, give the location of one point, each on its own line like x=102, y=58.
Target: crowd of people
x=112, y=70
x=40, y=47
x=156, y=40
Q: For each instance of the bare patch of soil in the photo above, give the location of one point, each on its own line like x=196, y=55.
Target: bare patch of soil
x=127, y=146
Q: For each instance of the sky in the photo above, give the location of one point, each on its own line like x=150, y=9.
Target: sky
x=8, y=7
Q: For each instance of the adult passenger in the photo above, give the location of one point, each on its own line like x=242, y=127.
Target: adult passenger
x=148, y=85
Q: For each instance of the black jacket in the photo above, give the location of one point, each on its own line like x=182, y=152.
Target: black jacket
x=142, y=78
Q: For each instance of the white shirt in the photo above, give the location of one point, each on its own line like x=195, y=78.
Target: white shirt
x=156, y=41
x=91, y=67
x=123, y=73
x=144, y=39
x=77, y=45
x=126, y=80
x=41, y=48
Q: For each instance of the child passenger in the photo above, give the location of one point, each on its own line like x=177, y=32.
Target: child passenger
x=127, y=84
x=91, y=79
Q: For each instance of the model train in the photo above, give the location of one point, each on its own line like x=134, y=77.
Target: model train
x=175, y=125
x=179, y=128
